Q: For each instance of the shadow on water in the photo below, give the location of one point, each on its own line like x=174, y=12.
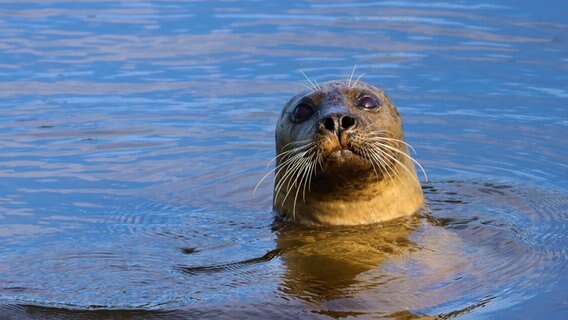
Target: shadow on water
x=17, y=312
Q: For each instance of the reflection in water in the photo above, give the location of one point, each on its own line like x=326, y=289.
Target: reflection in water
x=474, y=245
x=325, y=264
x=456, y=249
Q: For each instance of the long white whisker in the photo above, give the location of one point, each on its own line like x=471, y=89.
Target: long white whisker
x=375, y=154
x=366, y=155
x=304, y=178
x=393, y=158
x=301, y=177
x=295, y=183
x=351, y=76
x=290, y=171
x=401, y=165
x=306, y=86
x=285, y=154
x=303, y=142
x=385, y=166
x=359, y=77
x=262, y=179
x=276, y=168
x=409, y=157
x=314, y=85
x=315, y=165
x=395, y=140
x=310, y=173
x=376, y=161
x=283, y=163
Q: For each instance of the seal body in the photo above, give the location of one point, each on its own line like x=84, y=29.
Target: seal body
x=342, y=159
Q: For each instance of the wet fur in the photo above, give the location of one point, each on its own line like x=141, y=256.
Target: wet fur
x=372, y=180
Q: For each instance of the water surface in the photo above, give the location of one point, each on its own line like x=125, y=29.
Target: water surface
x=133, y=133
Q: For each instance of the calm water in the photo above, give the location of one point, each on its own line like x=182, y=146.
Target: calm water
x=133, y=133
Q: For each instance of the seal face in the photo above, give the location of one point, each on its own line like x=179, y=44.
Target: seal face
x=342, y=159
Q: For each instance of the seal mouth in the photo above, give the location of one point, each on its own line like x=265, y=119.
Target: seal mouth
x=341, y=155
x=345, y=156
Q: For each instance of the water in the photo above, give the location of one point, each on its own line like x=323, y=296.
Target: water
x=133, y=133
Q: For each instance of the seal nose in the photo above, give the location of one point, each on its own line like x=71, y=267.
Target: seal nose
x=338, y=122
x=347, y=122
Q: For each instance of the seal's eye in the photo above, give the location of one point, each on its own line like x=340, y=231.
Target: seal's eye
x=368, y=102
x=302, y=112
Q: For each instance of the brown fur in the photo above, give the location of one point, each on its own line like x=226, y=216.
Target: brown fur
x=345, y=187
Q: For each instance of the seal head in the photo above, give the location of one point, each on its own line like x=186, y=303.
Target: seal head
x=342, y=159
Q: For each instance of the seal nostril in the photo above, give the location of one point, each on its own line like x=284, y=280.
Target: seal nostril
x=329, y=124
x=347, y=122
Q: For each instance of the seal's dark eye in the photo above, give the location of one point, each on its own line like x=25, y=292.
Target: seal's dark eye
x=368, y=102
x=302, y=112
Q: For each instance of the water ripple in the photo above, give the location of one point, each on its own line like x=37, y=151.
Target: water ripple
x=133, y=134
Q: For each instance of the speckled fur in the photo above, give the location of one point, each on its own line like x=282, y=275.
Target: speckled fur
x=348, y=190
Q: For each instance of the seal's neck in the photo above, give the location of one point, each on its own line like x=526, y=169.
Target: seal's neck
x=371, y=201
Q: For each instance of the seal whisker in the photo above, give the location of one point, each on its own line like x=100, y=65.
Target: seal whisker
x=320, y=162
x=357, y=80
x=315, y=165
x=285, y=154
x=302, y=142
x=380, y=139
x=315, y=85
x=372, y=160
x=376, y=152
x=400, y=164
x=308, y=175
x=297, y=172
x=307, y=86
x=409, y=157
x=395, y=140
x=380, y=133
x=390, y=164
x=351, y=76
x=285, y=157
x=288, y=172
x=275, y=169
x=385, y=166
x=302, y=178
x=364, y=150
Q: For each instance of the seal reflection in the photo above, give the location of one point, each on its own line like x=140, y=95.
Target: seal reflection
x=325, y=264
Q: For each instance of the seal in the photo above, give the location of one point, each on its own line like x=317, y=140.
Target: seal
x=342, y=158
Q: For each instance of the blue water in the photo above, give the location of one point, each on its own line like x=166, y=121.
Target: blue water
x=133, y=133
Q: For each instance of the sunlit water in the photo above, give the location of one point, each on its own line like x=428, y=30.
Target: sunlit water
x=133, y=133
